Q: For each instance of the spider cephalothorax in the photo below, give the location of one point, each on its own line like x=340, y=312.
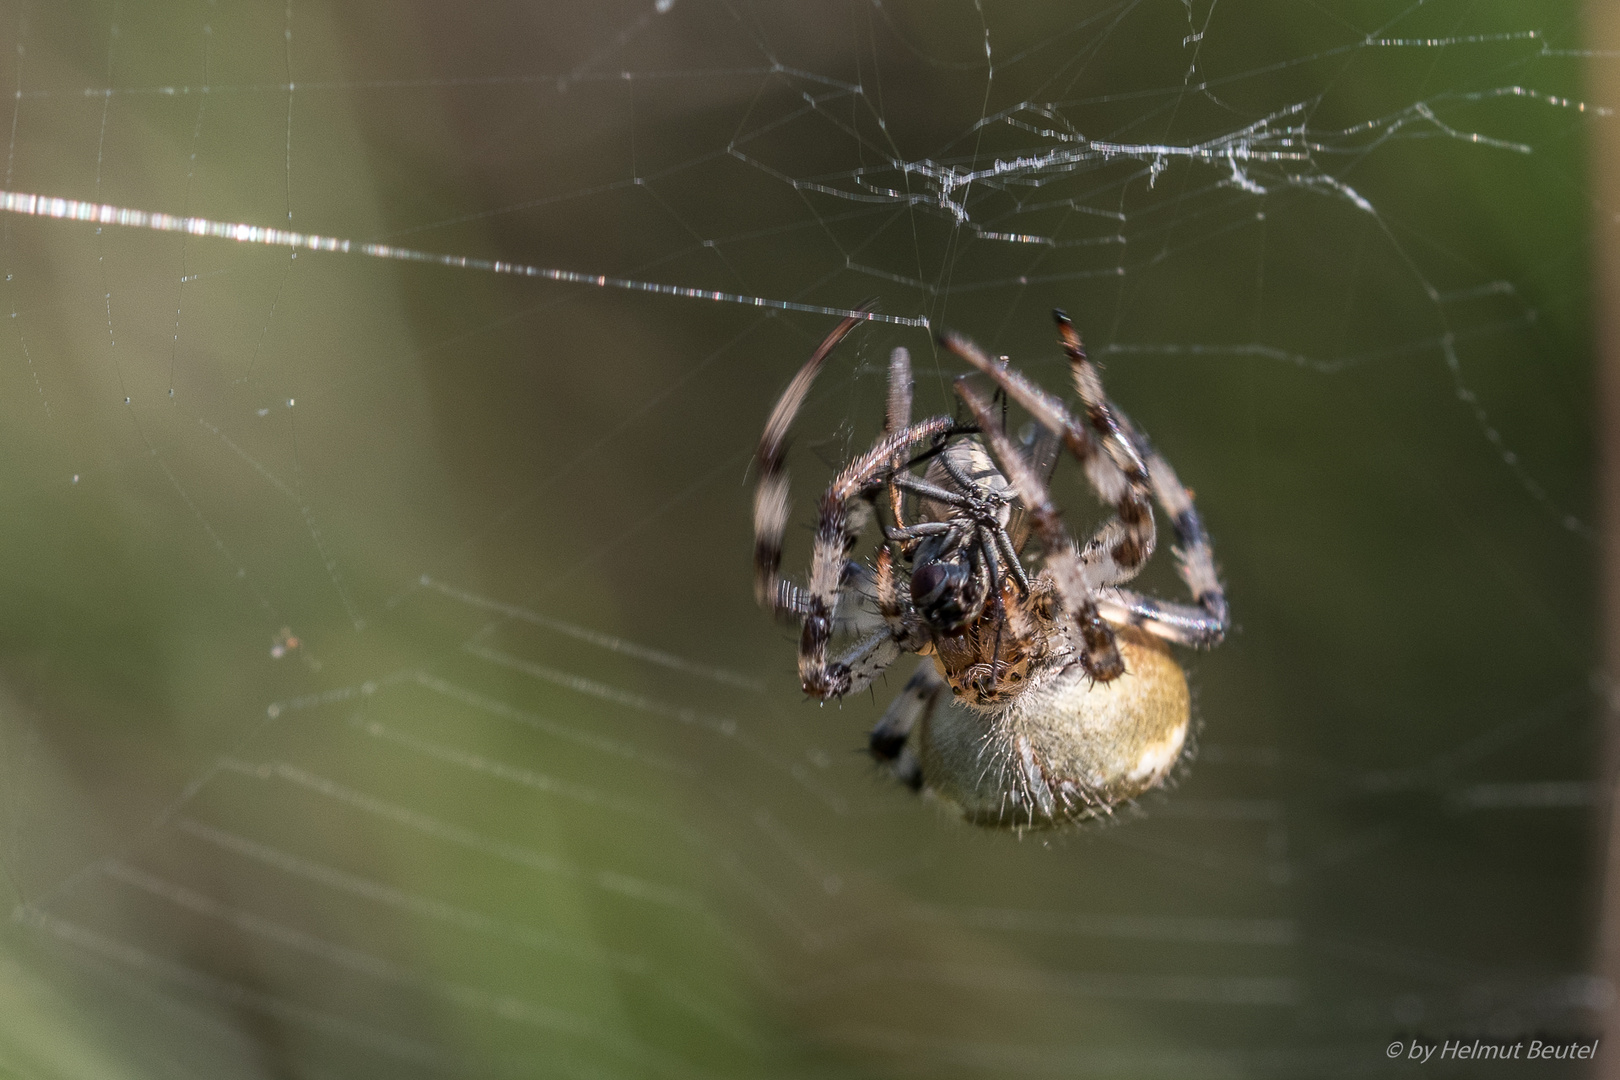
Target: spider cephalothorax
x=1063, y=698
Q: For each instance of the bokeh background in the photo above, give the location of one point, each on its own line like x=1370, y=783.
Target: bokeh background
x=381, y=691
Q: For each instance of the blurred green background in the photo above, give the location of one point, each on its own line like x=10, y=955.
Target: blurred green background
x=381, y=691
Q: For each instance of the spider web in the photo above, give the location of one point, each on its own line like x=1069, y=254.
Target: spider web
x=383, y=693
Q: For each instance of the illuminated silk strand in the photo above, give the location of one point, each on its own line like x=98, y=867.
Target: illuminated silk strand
x=102, y=214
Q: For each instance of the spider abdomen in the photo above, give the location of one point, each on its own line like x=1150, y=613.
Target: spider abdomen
x=1066, y=748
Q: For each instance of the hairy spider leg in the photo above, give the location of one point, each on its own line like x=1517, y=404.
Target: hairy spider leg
x=1194, y=557
x=888, y=741
x=897, y=417
x=1099, y=410
x=1203, y=626
x=836, y=533
x=771, y=506
x=896, y=612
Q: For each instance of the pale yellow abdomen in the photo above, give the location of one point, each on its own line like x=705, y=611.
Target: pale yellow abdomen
x=1064, y=749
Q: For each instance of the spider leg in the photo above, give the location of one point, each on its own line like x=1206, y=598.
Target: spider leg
x=1179, y=623
x=897, y=417
x=1115, y=553
x=888, y=597
x=1195, y=558
x=1207, y=623
x=1099, y=654
x=895, y=606
x=1128, y=470
x=793, y=602
x=1047, y=410
x=856, y=614
x=897, y=413
x=771, y=496
x=1123, y=445
x=889, y=738
x=856, y=669
x=836, y=532
x=838, y=526
x=1100, y=412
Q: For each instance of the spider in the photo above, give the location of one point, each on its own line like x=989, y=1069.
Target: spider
x=1042, y=697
